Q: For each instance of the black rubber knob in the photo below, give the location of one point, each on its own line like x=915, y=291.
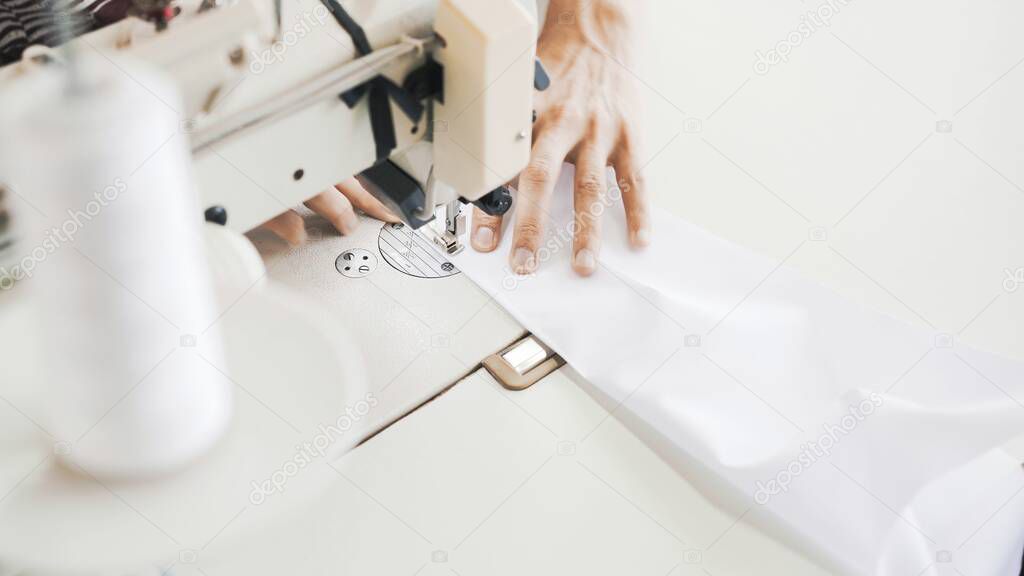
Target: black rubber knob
x=216, y=215
x=495, y=203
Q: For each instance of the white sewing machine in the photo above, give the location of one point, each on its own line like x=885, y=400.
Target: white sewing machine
x=261, y=83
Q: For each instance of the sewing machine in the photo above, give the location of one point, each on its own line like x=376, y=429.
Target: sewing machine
x=268, y=130
x=430, y=102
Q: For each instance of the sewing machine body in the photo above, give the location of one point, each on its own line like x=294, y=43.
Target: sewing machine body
x=261, y=99
x=422, y=337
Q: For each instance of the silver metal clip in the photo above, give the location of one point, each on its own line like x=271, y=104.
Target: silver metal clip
x=522, y=364
x=450, y=237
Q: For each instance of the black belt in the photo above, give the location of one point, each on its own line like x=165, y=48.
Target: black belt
x=382, y=91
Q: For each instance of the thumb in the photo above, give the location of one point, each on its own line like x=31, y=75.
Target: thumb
x=486, y=231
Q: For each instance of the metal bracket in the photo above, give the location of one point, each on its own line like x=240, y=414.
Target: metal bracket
x=450, y=237
x=522, y=364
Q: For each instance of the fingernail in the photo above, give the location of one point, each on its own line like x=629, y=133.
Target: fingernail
x=641, y=238
x=585, y=261
x=523, y=261
x=483, y=238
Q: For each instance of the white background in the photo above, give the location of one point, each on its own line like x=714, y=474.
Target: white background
x=920, y=224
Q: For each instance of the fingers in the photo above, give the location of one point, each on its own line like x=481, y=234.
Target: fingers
x=336, y=209
x=288, y=227
x=591, y=179
x=337, y=206
x=634, y=192
x=486, y=232
x=363, y=200
x=536, y=184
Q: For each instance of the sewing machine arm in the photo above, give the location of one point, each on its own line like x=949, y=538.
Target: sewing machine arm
x=280, y=104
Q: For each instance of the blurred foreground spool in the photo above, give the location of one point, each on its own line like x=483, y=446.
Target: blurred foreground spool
x=119, y=278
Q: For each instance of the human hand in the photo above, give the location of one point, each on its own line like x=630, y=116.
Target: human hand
x=586, y=118
x=338, y=205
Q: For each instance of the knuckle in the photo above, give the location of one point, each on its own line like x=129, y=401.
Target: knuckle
x=589, y=185
x=482, y=220
x=565, y=114
x=537, y=172
x=529, y=230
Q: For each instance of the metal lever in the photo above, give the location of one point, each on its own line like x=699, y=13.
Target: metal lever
x=454, y=228
x=522, y=364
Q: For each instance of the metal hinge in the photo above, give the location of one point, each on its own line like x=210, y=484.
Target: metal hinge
x=522, y=364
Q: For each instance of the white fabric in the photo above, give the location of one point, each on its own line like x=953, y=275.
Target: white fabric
x=909, y=426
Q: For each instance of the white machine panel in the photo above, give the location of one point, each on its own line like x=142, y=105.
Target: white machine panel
x=469, y=151
x=487, y=481
x=419, y=333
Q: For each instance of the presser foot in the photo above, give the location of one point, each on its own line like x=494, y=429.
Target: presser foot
x=449, y=239
x=449, y=243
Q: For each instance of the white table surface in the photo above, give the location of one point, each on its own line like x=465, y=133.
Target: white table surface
x=486, y=481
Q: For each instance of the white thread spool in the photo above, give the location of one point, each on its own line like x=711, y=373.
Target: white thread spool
x=120, y=279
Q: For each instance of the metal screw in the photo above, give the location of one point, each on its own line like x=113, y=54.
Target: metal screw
x=356, y=263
